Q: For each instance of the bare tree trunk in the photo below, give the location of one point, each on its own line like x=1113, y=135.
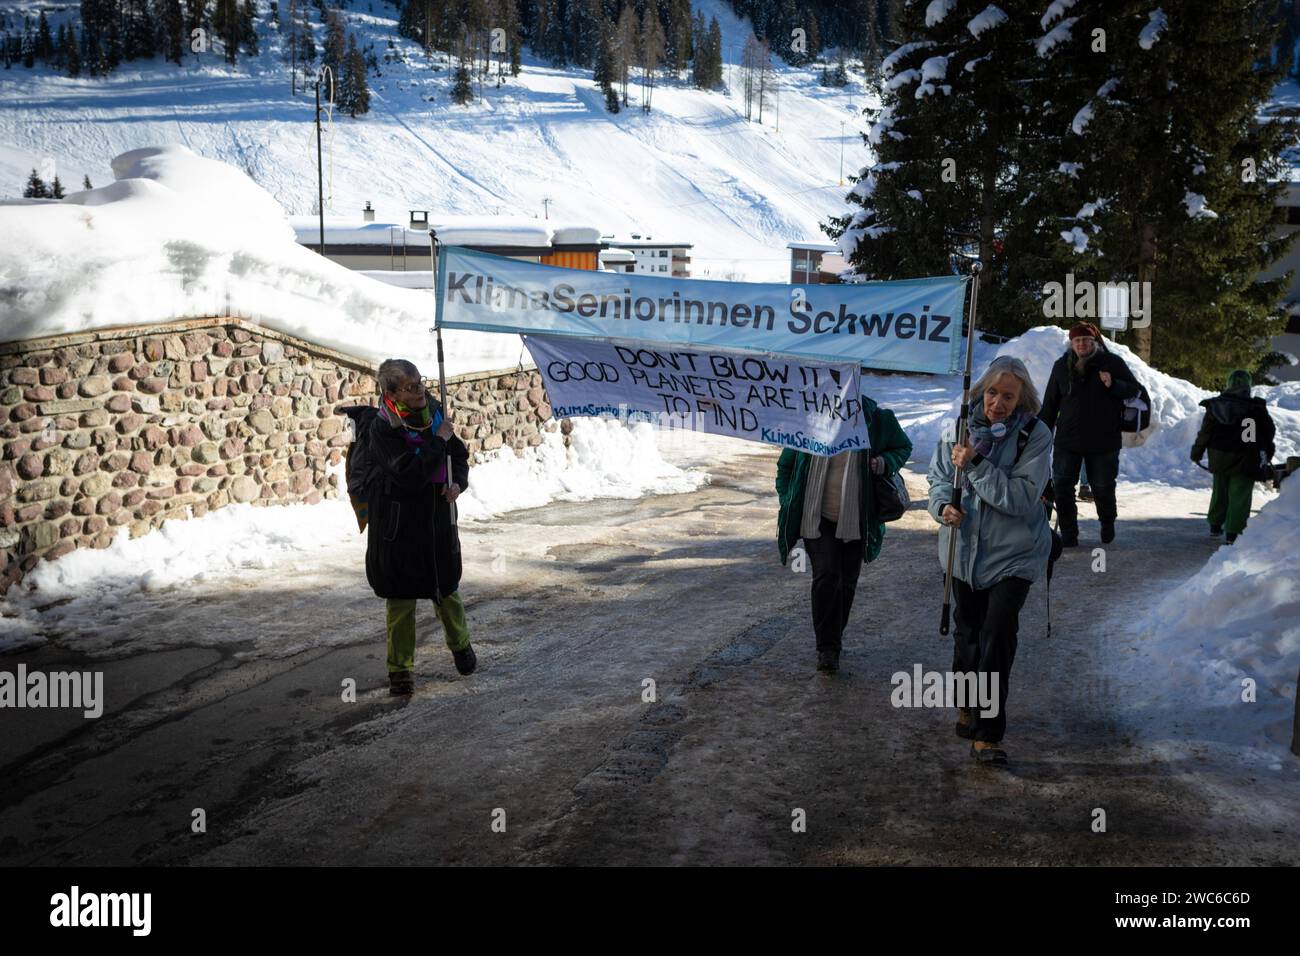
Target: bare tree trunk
x=1146, y=272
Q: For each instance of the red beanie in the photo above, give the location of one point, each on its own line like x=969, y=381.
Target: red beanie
x=1084, y=328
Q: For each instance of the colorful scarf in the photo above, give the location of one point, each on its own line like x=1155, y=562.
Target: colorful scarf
x=980, y=431
x=416, y=424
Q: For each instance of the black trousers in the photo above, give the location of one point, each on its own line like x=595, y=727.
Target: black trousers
x=1103, y=470
x=985, y=626
x=835, y=567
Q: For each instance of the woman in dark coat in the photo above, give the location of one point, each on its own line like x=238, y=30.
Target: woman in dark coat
x=417, y=468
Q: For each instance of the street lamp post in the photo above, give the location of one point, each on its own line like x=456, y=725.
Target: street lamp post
x=320, y=174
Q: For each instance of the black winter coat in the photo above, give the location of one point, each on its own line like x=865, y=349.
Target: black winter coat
x=412, y=546
x=1222, y=428
x=1083, y=412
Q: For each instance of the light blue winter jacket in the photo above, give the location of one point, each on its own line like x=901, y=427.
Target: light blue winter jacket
x=1005, y=532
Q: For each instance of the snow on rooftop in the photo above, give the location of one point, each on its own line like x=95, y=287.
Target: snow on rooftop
x=514, y=231
x=180, y=236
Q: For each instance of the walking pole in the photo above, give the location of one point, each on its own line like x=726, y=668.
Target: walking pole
x=436, y=260
x=976, y=268
x=438, y=275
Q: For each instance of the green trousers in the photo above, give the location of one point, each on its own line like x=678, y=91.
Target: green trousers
x=1230, y=501
x=401, y=629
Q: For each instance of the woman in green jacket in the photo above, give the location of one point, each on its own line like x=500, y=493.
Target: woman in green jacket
x=830, y=504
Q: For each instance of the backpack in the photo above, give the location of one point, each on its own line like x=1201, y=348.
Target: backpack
x=1135, y=416
x=358, y=462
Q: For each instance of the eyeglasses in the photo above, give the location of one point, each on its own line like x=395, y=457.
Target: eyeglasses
x=410, y=388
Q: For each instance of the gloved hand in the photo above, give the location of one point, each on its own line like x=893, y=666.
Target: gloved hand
x=1196, y=455
x=877, y=465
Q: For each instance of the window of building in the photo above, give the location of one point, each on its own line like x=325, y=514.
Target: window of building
x=663, y=253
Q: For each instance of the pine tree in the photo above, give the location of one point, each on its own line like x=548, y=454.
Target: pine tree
x=248, y=28
x=36, y=188
x=1168, y=177
x=958, y=103
x=335, y=43
x=355, y=97
x=462, y=92
x=85, y=183
x=44, y=42
x=604, y=73
x=61, y=47
x=72, y=54
x=172, y=31
x=56, y=189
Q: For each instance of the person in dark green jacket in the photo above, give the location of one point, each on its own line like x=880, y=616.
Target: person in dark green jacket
x=830, y=504
x=1224, y=433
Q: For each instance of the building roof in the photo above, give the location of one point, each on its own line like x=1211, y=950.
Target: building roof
x=814, y=246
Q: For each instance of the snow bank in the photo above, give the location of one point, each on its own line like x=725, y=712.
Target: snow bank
x=1238, y=618
x=608, y=459
x=178, y=236
x=1175, y=411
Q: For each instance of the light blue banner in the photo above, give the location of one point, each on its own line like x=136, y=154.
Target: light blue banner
x=909, y=325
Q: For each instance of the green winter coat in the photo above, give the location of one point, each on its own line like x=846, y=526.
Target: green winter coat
x=888, y=441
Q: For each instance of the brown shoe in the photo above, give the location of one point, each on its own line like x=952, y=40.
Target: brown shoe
x=988, y=754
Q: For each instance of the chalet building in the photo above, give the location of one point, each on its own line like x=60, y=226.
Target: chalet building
x=655, y=257
x=815, y=263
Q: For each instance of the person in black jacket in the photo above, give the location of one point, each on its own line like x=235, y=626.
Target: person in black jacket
x=1083, y=404
x=417, y=468
x=1235, y=448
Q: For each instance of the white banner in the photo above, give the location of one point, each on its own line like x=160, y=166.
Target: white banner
x=909, y=325
x=806, y=406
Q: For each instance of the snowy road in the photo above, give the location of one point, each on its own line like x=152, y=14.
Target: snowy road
x=572, y=607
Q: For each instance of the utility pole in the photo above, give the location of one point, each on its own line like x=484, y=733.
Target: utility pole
x=841, y=152
x=546, y=207
x=320, y=172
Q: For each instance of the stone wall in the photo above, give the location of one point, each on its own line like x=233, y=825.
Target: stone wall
x=133, y=427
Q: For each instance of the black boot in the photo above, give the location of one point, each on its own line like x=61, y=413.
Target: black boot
x=1107, y=532
x=401, y=683
x=1216, y=530
x=1231, y=538
x=466, y=660
x=828, y=662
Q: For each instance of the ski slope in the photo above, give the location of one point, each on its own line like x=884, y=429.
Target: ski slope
x=693, y=170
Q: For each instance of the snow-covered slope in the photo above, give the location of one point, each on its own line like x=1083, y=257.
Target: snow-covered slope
x=693, y=170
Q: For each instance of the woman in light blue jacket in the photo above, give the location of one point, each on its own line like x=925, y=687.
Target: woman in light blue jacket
x=1003, y=539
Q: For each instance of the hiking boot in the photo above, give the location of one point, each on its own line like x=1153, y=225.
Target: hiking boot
x=1107, y=532
x=1085, y=493
x=401, y=683
x=965, y=723
x=466, y=660
x=1231, y=538
x=1069, y=539
x=828, y=662
x=1216, y=530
